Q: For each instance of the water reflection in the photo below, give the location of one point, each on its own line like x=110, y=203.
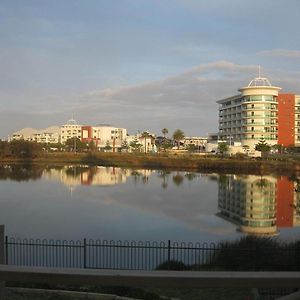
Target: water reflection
x=259, y=205
x=160, y=203
x=21, y=172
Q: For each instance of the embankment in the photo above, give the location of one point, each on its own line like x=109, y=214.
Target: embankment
x=187, y=162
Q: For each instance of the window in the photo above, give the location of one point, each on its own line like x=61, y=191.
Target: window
x=252, y=136
x=252, y=113
x=252, y=128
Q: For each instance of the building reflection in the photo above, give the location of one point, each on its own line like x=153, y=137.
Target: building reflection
x=73, y=176
x=258, y=205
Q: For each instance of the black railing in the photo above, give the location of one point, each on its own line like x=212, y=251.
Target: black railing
x=133, y=255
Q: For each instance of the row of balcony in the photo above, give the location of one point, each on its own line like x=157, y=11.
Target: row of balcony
x=249, y=114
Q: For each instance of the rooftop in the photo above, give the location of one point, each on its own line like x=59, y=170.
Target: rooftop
x=259, y=82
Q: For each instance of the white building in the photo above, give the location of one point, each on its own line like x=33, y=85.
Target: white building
x=250, y=115
x=48, y=135
x=198, y=142
x=104, y=135
x=147, y=142
x=70, y=130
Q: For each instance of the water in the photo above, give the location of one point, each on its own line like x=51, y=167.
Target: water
x=123, y=204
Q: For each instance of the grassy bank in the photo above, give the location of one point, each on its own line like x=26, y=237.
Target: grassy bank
x=187, y=162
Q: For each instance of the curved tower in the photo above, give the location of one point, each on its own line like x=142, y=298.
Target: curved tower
x=250, y=115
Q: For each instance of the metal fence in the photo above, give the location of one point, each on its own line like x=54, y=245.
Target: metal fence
x=138, y=255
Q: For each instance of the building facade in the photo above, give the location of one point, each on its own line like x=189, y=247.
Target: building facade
x=104, y=135
x=70, y=130
x=250, y=115
x=288, y=120
x=48, y=135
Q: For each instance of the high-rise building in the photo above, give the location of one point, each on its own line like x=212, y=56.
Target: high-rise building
x=250, y=115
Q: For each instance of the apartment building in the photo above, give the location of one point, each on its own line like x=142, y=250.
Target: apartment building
x=104, y=135
x=70, y=130
x=48, y=135
x=250, y=115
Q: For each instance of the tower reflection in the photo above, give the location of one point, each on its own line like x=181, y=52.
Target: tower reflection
x=258, y=205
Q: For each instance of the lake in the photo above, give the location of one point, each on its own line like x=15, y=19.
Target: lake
x=73, y=202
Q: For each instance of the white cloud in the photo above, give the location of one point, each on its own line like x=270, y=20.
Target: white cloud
x=186, y=101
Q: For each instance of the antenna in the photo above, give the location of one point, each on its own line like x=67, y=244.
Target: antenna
x=258, y=71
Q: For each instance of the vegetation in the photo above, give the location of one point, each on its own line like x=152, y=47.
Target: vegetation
x=262, y=146
x=246, y=254
x=75, y=145
x=135, y=146
x=145, y=135
x=107, y=146
x=191, y=148
x=178, y=135
x=223, y=148
x=164, y=131
x=20, y=149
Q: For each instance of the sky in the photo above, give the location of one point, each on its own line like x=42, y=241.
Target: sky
x=139, y=64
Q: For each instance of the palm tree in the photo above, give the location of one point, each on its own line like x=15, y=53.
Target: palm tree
x=165, y=131
x=177, y=136
x=145, y=135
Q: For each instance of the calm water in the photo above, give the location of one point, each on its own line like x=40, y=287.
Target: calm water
x=114, y=203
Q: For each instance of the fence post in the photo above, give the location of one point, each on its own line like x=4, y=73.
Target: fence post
x=84, y=253
x=169, y=253
x=2, y=259
x=297, y=256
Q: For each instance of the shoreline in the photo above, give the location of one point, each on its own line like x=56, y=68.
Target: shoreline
x=182, y=162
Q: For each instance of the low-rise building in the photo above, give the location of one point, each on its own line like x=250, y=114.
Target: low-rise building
x=49, y=135
x=104, y=135
x=145, y=139
x=198, y=142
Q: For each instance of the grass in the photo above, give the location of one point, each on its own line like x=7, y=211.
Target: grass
x=172, y=161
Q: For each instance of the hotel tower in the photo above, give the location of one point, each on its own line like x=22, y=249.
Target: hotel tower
x=250, y=115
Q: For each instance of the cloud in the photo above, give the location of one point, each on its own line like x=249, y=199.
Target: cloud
x=285, y=53
x=186, y=100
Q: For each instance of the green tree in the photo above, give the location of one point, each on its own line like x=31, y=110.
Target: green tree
x=4, y=149
x=24, y=149
x=223, y=148
x=135, y=146
x=107, y=146
x=74, y=144
x=166, y=145
x=262, y=146
x=178, y=135
x=92, y=146
x=165, y=131
x=125, y=146
x=145, y=135
x=191, y=148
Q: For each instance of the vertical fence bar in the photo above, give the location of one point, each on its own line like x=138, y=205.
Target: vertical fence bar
x=2, y=259
x=297, y=256
x=6, y=250
x=84, y=253
x=169, y=253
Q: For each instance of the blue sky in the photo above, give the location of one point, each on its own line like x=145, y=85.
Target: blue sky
x=139, y=64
